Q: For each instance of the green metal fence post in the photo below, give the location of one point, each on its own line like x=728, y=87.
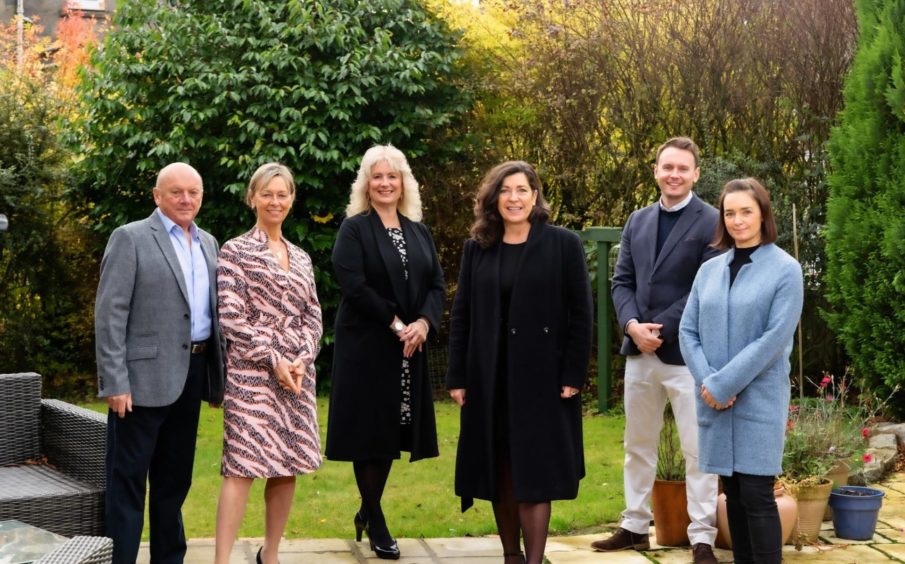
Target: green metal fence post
x=605, y=237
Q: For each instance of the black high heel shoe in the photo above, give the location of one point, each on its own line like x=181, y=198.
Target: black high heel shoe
x=258, y=556
x=361, y=524
x=386, y=552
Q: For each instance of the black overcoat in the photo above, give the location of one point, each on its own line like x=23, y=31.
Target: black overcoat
x=365, y=394
x=548, y=344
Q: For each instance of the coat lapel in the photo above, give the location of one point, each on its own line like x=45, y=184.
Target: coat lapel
x=686, y=220
x=418, y=253
x=720, y=332
x=209, y=250
x=390, y=257
x=644, y=238
x=166, y=247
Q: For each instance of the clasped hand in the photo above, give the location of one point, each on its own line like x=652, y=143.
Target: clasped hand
x=289, y=374
x=645, y=335
x=709, y=400
x=413, y=336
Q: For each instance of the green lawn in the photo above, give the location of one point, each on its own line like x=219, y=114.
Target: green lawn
x=419, y=500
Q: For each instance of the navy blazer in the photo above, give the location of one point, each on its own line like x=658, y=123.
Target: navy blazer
x=654, y=288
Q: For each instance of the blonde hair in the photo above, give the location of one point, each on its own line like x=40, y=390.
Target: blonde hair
x=263, y=176
x=409, y=203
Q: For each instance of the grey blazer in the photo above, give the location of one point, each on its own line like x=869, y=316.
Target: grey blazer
x=142, y=320
x=653, y=288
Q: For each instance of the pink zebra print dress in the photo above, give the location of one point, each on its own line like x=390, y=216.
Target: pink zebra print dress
x=267, y=313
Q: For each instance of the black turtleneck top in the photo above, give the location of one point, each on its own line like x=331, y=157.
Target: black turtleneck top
x=741, y=258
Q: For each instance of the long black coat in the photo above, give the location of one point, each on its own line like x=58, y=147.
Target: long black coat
x=365, y=395
x=548, y=344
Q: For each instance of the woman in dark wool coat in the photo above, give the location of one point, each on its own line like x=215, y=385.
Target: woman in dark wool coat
x=520, y=340
x=392, y=296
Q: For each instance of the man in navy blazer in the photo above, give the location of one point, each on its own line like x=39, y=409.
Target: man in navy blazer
x=158, y=355
x=661, y=249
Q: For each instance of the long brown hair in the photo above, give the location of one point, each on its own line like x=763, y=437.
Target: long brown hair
x=768, y=234
x=487, y=228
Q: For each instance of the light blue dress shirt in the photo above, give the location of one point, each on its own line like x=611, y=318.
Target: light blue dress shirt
x=194, y=271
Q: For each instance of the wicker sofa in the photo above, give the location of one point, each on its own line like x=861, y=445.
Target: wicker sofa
x=52, y=471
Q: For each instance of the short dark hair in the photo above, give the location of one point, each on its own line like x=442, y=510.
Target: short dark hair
x=487, y=228
x=768, y=234
x=684, y=143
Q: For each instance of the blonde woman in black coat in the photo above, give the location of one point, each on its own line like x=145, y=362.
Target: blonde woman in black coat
x=520, y=340
x=392, y=296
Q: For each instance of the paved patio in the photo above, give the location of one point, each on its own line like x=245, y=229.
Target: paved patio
x=888, y=545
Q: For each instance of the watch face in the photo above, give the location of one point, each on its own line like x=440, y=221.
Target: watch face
x=398, y=326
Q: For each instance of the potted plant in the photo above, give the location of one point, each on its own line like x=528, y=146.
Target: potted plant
x=845, y=424
x=821, y=434
x=668, y=498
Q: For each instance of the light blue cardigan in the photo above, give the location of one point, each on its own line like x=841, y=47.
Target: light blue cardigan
x=737, y=343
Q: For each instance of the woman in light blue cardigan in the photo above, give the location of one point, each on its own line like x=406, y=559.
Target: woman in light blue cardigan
x=736, y=337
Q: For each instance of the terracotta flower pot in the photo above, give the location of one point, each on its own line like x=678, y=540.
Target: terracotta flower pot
x=839, y=476
x=670, y=506
x=785, y=504
x=812, y=500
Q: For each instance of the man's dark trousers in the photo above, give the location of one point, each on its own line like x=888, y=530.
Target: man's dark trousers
x=156, y=443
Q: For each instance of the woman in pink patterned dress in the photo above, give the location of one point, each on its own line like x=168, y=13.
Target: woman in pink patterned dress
x=271, y=318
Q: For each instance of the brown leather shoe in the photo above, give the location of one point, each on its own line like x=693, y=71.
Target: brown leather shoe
x=703, y=554
x=622, y=539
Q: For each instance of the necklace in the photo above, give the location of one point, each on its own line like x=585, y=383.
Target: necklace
x=278, y=252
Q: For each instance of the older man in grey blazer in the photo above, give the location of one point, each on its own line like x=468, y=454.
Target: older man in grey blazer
x=158, y=355
x=661, y=249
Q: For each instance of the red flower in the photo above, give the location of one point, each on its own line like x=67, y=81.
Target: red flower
x=789, y=424
x=868, y=458
x=826, y=380
x=865, y=432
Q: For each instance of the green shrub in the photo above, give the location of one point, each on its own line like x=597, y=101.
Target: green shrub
x=46, y=294
x=865, y=224
x=228, y=85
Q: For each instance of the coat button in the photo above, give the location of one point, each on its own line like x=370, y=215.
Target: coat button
x=513, y=330
x=185, y=346
x=186, y=316
x=546, y=329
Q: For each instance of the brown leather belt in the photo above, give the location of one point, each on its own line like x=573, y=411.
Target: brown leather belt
x=199, y=347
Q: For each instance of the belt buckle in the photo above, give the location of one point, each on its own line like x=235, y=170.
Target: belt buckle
x=198, y=348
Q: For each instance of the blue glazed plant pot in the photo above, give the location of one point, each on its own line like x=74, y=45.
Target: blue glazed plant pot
x=855, y=511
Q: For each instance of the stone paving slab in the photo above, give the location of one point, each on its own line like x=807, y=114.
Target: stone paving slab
x=484, y=547
x=895, y=551
x=486, y=550
x=888, y=545
x=852, y=554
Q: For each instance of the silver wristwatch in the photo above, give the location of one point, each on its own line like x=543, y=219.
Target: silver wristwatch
x=398, y=326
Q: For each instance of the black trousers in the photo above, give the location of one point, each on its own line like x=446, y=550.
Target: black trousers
x=753, y=519
x=152, y=446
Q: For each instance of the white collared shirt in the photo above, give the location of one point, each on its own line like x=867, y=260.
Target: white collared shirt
x=194, y=272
